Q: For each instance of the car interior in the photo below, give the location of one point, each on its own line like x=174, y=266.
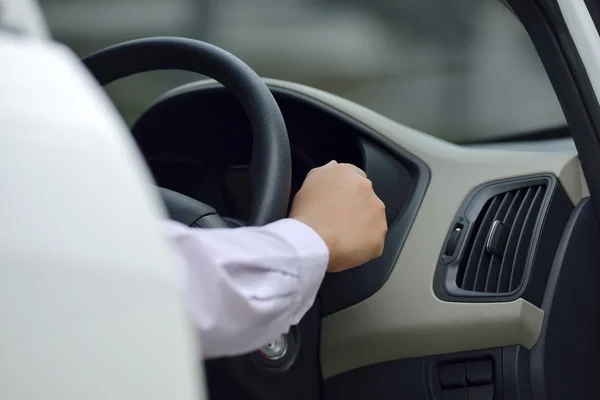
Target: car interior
x=443, y=302
x=488, y=287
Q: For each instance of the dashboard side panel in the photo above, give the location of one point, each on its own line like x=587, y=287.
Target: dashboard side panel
x=404, y=318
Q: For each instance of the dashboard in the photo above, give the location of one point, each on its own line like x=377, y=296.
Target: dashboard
x=392, y=327
x=560, y=145
x=199, y=143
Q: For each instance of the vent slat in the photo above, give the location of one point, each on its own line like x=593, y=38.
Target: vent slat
x=514, y=207
x=494, y=274
x=501, y=267
x=493, y=268
x=524, y=242
x=511, y=244
x=479, y=245
x=485, y=259
x=509, y=220
x=467, y=265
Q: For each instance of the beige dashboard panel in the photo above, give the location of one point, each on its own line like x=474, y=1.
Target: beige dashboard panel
x=404, y=318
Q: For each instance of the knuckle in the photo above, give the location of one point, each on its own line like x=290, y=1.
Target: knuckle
x=377, y=250
x=377, y=207
x=383, y=227
x=354, y=169
x=365, y=184
x=344, y=166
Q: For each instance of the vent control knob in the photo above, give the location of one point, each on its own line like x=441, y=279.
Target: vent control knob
x=453, y=240
x=497, y=238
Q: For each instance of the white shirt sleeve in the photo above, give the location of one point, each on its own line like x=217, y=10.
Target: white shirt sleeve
x=246, y=286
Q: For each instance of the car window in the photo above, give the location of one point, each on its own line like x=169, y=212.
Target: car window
x=462, y=70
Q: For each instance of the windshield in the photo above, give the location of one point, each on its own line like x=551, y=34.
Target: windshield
x=462, y=70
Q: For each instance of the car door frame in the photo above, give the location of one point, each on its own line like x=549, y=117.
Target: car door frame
x=564, y=360
x=552, y=26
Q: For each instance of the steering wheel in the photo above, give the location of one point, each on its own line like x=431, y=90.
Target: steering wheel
x=270, y=165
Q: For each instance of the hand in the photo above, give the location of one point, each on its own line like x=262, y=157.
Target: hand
x=338, y=202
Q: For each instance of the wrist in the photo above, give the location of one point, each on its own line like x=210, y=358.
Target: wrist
x=327, y=236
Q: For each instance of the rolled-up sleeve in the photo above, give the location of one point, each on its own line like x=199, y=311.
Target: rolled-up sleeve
x=246, y=286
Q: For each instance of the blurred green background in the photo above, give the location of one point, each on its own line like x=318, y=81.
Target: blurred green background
x=462, y=70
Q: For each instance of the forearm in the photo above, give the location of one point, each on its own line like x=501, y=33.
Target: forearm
x=246, y=286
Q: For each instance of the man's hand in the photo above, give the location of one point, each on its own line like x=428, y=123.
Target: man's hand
x=338, y=202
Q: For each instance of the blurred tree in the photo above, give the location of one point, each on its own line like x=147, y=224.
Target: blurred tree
x=445, y=28
x=447, y=22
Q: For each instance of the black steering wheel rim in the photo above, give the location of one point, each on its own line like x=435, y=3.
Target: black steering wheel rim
x=270, y=166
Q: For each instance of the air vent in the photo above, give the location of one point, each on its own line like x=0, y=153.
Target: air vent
x=495, y=257
x=502, y=241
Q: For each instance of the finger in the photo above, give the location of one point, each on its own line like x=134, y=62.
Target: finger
x=355, y=169
x=329, y=164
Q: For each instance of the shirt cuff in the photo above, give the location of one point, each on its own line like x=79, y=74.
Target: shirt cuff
x=312, y=259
